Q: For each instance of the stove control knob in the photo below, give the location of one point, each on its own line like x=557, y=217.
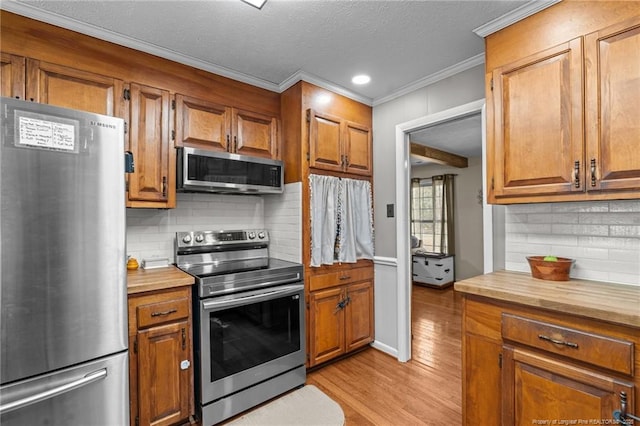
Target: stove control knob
x=186, y=239
x=199, y=238
x=252, y=235
x=261, y=235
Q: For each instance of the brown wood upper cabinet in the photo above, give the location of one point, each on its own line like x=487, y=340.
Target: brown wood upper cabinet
x=47, y=83
x=12, y=76
x=338, y=145
x=153, y=182
x=208, y=125
x=540, y=145
x=67, y=87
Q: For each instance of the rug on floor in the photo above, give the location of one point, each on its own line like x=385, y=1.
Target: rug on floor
x=303, y=407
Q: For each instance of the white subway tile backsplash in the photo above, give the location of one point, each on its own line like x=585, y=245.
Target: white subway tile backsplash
x=528, y=228
x=562, y=229
x=529, y=208
x=625, y=206
x=625, y=231
x=516, y=218
x=610, y=242
x=552, y=218
x=602, y=236
x=151, y=232
x=580, y=207
x=563, y=240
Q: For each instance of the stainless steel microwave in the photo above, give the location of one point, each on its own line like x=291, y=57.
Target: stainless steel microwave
x=200, y=170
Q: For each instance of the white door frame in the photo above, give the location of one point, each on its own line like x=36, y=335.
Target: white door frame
x=403, y=243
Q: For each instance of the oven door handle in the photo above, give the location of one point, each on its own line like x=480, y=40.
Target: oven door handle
x=267, y=294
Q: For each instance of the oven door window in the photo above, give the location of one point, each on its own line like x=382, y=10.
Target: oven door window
x=245, y=336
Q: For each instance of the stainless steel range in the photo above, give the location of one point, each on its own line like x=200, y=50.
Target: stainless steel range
x=249, y=320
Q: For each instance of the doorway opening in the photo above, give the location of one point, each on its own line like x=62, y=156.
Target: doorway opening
x=403, y=248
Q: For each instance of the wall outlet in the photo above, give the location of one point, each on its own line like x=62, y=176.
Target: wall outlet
x=390, y=210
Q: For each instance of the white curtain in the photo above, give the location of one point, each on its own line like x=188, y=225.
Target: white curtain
x=324, y=218
x=341, y=220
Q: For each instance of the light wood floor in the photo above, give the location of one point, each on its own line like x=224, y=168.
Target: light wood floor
x=375, y=389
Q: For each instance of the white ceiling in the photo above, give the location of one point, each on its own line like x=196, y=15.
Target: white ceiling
x=398, y=43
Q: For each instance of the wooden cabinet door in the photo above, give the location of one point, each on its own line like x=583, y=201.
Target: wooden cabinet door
x=152, y=181
x=202, y=124
x=481, y=380
x=359, y=315
x=538, y=127
x=12, y=76
x=326, y=325
x=255, y=134
x=357, y=148
x=535, y=387
x=612, y=110
x=71, y=88
x=164, y=386
x=325, y=142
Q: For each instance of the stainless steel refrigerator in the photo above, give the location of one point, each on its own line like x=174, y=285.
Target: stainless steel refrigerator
x=64, y=358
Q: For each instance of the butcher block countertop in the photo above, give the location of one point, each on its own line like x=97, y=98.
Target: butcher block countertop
x=610, y=302
x=143, y=280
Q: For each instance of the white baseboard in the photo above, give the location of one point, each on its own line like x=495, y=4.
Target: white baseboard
x=385, y=348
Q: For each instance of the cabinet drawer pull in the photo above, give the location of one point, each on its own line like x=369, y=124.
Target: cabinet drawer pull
x=576, y=174
x=558, y=342
x=593, y=172
x=621, y=415
x=439, y=264
x=447, y=270
x=345, y=277
x=159, y=314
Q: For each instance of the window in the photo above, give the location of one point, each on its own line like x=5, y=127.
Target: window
x=426, y=205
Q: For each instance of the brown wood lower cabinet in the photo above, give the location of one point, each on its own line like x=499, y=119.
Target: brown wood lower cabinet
x=161, y=359
x=340, y=314
x=526, y=366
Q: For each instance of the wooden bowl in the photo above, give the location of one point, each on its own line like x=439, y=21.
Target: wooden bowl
x=550, y=270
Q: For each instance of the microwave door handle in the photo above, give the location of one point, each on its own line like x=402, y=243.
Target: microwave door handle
x=214, y=304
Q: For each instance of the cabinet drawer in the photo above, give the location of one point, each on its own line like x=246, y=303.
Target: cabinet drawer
x=332, y=279
x=602, y=351
x=161, y=312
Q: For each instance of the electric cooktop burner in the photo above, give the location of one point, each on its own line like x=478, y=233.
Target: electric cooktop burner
x=231, y=261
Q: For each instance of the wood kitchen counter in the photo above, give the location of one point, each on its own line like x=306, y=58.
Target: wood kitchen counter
x=615, y=303
x=143, y=280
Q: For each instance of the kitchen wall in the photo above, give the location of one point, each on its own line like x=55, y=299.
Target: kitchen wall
x=467, y=214
x=603, y=237
x=459, y=89
x=151, y=232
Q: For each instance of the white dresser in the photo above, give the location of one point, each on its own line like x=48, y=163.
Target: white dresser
x=432, y=269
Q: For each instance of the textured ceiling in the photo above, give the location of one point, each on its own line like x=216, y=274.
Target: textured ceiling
x=396, y=42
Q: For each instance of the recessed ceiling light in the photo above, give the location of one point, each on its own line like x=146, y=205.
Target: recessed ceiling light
x=256, y=3
x=361, y=79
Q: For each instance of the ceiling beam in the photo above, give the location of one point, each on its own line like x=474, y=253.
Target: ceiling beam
x=438, y=156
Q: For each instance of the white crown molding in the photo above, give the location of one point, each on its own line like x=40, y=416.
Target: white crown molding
x=313, y=79
x=433, y=78
x=514, y=16
x=110, y=36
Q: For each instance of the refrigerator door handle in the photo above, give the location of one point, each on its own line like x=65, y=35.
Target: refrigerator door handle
x=58, y=390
